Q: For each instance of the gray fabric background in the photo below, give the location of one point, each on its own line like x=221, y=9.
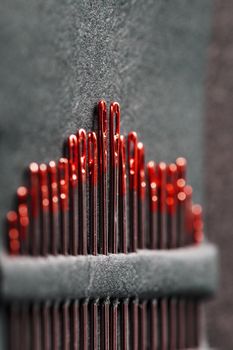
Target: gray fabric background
x=58, y=58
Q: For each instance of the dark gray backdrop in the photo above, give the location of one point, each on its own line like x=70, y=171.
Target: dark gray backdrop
x=58, y=58
x=219, y=167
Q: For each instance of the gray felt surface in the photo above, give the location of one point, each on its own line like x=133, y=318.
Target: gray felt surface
x=146, y=274
x=59, y=57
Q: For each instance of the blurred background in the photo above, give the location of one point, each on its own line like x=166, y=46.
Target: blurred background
x=219, y=167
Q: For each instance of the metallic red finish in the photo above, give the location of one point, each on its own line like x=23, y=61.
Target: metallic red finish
x=162, y=178
x=141, y=171
x=104, y=324
x=34, y=188
x=84, y=325
x=153, y=205
x=13, y=233
x=122, y=166
x=92, y=157
x=171, y=203
x=82, y=157
x=53, y=184
x=82, y=160
x=125, y=324
x=73, y=191
x=94, y=329
x=45, y=206
x=134, y=325
x=54, y=205
x=93, y=176
x=43, y=175
x=162, y=222
x=103, y=130
x=114, y=134
x=122, y=197
x=143, y=324
x=103, y=157
x=73, y=159
x=153, y=195
x=114, y=131
x=23, y=215
x=198, y=235
x=133, y=160
x=153, y=324
x=188, y=213
x=133, y=189
x=141, y=196
x=63, y=174
x=180, y=184
x=55, y=202
x=75, y=320
x=181, y=164
x=114, y=326
x=171, y=187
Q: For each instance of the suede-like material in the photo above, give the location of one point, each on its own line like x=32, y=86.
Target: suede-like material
x=58, y=58
x=146, y=274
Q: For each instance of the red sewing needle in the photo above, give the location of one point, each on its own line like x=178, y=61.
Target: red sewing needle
x=171, y=202
x=154, y=325
x=188, y=215
x=75, y=320
x=63, y=175
x=143, y=325
x=54, y=206
x=35, y=208
x=50, y=312
x=114, y=134
x=104, y=334
x=125, y=324
x=198, y=237
x=23, y=216
x=85, y=325
x=73, y=182
x=153, y=205
x=102, y=138
x=44, y=202
x=122, y=196
x=133, y=187
x=134, y=326
x=93, y=178
x=13, y=233
x=162, y=179
x=141, y=196
x=172, y=241
x=197, y=224
x=181, y=164
x=94, y=336
x=82, y=150
x=162, y=244
x=114, y=325
x=181, y=200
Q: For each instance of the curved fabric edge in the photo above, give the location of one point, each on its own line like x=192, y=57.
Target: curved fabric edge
x=187, y=271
